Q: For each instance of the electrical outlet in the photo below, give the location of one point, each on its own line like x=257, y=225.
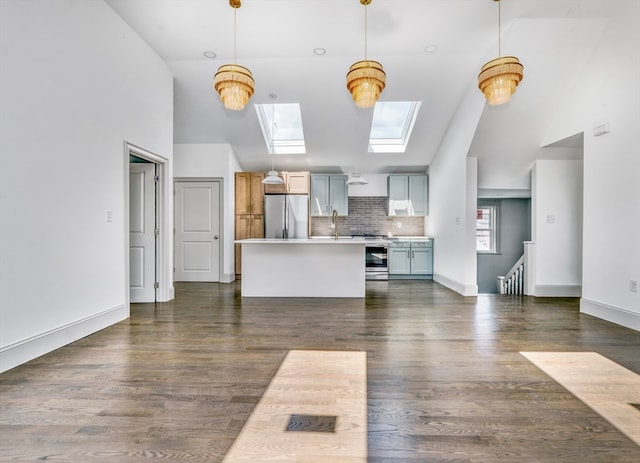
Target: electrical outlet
x=633, y=286
x=399, y=225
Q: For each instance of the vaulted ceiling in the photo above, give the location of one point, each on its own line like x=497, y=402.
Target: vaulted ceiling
x=431, y=50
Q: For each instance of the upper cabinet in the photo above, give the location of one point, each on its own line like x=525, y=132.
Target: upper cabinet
x=249, y=193
x=296, y=183
x=329, y=192
x=408, y=194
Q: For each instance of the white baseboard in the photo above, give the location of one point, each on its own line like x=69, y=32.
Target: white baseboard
x=20, y=352
x=612, y=314
x=557, y=291
x=460, y=288
x=228, y=277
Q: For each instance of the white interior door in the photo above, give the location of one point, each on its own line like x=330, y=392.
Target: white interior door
x=142, y=218
x=197, y=235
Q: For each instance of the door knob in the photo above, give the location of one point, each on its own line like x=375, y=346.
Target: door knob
x=215, y=237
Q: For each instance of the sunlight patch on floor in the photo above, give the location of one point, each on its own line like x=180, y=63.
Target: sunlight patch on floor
x=325, y=392
x=608, y=388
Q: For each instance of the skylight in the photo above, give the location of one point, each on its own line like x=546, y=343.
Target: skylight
x=392, y=125
x=281, y=128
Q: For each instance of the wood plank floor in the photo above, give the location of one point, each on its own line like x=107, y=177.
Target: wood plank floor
x=446, y=380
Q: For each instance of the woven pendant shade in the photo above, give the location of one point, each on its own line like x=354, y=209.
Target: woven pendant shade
x=365, y=81
x=499, y=78
x=235, y=85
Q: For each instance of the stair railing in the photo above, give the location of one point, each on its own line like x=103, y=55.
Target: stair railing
x=513, y=282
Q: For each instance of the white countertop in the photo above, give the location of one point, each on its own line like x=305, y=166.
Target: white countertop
x=329, y=241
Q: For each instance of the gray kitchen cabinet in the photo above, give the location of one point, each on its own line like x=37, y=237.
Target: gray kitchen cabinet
x=408, y=194
x=329, y=192
x=411, y=259
x=399, y=258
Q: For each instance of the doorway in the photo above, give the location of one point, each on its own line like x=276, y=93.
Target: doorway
x=143, y=230
x=148, y=233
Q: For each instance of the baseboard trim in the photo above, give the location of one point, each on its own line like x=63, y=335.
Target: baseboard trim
x=460, y=288
x=20, y=352
x=228, y=277
x=557, y=291
x=611, y=314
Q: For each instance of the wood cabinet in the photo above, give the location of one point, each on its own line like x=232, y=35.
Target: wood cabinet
x=249, y=210
x=411, y=259
x=249, y=193
x=247, y=226
x=296, y=183
x=329, y=192
x=408, y=194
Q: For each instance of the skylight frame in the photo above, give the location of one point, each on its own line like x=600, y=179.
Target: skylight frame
x=404, y=128
x=287, y=120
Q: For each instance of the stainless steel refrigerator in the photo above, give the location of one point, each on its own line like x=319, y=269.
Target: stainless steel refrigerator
x=286, y=216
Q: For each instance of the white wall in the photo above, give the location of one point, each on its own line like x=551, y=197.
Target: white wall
x=608, y=92
x=452, y=200
x=213, y=161
x=556, y=210
x=76, y=82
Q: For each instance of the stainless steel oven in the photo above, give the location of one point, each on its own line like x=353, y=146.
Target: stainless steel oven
x=376, y=263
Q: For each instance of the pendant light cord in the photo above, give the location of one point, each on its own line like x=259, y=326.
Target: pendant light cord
x=365, y=32
x=499, y=30
x=235, y=34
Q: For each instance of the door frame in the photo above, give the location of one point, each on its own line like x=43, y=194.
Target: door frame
x=164, y=256
x=221, y=214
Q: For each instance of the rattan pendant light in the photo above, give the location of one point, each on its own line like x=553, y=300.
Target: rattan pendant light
x=499, y=77
x=366, y=79
x=234, y=83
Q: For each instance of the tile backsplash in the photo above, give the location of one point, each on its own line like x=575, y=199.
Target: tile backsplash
x=368, y=214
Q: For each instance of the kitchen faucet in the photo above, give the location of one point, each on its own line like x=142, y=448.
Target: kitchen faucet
x=334, y=222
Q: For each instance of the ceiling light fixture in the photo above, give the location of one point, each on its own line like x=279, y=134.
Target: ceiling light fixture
x=234, y=83
x=499, y=78
x=272, y=177
x=366, y=79
x=356, y=179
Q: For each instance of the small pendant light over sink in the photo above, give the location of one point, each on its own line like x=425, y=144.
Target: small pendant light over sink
x=357, y=179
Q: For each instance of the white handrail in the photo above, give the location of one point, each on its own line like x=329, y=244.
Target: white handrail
x=513, y=281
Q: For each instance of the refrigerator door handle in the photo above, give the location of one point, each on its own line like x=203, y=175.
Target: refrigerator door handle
x=284, y=218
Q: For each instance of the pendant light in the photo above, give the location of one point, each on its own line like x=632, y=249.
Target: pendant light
x=499, y=78
x=234, y=83
x=357, y=179
x=272, y=177
x=366, y=79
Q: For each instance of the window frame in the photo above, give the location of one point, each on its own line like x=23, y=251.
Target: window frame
x=493, y=229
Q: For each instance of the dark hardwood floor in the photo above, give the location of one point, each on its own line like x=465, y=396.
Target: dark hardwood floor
x=446, y=381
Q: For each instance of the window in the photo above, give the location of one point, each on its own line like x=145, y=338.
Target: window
x=281, y=127
x=392, y=125
x=487, y=228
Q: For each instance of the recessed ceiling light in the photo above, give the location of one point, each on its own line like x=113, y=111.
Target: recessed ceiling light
x=431, y=48
x=319, y=51
x=209, y=54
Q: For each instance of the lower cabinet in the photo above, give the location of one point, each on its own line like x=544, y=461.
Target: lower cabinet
x=247, y=226
x=411, y=259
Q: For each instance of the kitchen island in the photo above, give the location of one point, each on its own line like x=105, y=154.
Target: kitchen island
x=303, y=268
